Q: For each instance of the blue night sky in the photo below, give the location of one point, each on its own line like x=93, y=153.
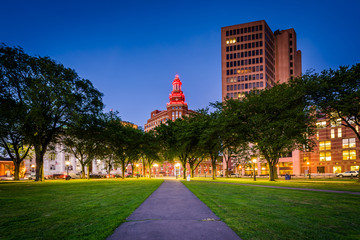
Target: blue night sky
x=131, y=50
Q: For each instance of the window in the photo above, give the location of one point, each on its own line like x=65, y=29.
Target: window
x=332, y=133
x=349, y=155
x=325, y=156
x=339, y=133
x=325, y=145
x=321, y=124
x=306, y=159
x=348, y=143
x=336, y=122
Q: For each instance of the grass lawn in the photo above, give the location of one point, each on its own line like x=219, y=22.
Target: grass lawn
x=329, y=184
x=264, y=213
x=75, y=209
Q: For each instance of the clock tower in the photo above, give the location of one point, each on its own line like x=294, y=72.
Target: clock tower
x=177, y=107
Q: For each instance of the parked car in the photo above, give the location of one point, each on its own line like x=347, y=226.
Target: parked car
x=348, y=174
x=58, y=176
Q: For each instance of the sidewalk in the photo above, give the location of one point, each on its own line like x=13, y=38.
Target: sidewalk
x=173, y=212
x=279, y=187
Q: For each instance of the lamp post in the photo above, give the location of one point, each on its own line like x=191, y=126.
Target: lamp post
x=308, y=163
x=67, y=164
x=177, y=165
x=137, y=170
x=254, y=161
x=156, y=165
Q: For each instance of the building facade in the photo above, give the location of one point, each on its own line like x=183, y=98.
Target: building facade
x=254, y=57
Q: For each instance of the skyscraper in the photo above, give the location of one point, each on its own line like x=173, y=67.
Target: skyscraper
x=252, y=56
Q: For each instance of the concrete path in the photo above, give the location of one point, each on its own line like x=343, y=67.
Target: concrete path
x=172, y=212
x=291, y=188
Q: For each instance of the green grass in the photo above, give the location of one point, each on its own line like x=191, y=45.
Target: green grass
x=265, y=213
x=328, y=184
x=75, y=209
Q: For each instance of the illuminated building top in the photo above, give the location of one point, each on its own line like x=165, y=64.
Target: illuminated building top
x=177, y=96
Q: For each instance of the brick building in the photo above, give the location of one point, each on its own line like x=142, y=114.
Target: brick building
x=175, y=108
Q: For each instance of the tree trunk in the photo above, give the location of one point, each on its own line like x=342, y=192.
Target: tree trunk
x=143, y=167
x=88, y=170
x=123, y=169
x=39, y=165
x=82, y=171
x=214, y=170
x=149, y=171
x=184, y=172
x=271, y=172
x=16, y=171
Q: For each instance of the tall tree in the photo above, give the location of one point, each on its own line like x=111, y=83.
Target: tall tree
x=55, y=95
x=210, y=140
x=84, y=139
x=150, y=150
x=14, y=70
x=175, y=141
x=276, y=120
x=336, y=93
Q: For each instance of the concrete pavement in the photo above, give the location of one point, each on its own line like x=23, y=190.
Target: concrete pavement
x=173, y=212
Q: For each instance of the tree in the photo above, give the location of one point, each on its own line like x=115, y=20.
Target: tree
x=336, y=93
x=176, y=141
x=84, y=139
x=14, y=70
x=150, y=150
x=54, y=95
x=210, y=141
x=276, y=120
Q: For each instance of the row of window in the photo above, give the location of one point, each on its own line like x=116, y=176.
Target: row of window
x=246, y=78
x=244, y=30
x=243, y=86
x=244, y=46
x=244, y=38
x=243, y=63
x=347, y=155
x=346, y=143
x=244, y=54
x=176, y=115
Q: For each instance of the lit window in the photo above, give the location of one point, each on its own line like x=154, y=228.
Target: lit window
x=325, y=156
x=317, y=135
x=339, y=132
x=325, y=145
x=336, y=122
x=348, y=143
x=349, y=155
x=332, y=133
x=321, y=124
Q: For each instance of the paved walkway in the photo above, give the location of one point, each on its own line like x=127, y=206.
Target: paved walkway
x=291, y=188
x=172, y=212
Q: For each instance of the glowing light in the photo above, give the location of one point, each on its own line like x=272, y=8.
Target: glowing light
x=137, y=165
x=177, y=165
x=156, y=165
x=32, y=165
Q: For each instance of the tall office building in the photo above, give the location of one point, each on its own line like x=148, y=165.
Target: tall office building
x=252, y=56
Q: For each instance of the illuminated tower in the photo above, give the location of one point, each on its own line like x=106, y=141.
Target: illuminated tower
x=177, y=107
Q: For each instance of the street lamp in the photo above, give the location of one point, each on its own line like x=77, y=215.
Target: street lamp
x=254, y=161
x=137, y=170
x=67, y=163
x=177, y=165
x=155, y=165
x=308, y=163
